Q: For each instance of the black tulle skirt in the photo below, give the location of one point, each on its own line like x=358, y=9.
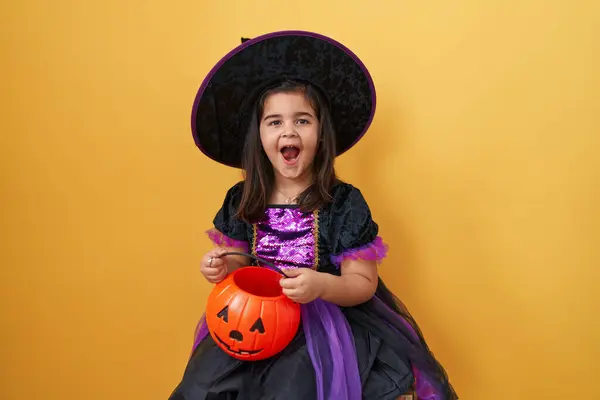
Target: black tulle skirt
x=373, y=351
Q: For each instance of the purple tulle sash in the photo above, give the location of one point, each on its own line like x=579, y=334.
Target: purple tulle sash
x=331, y=348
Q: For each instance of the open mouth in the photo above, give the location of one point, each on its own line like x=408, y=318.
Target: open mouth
x=240, y=352
x=290, y=154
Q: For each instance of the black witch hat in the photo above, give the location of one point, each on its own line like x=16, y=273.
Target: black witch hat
x=223, y=105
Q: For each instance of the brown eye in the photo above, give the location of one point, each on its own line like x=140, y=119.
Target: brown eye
x=258, y=326
x=223, y=314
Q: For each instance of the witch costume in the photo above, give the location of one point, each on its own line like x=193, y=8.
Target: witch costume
x=372, y=351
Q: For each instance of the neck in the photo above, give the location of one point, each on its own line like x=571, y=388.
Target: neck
x=293, y=187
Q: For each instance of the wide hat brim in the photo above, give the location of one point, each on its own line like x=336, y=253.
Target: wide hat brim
x=223, y=105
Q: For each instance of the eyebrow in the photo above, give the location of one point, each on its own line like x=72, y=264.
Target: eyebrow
x=298, y=114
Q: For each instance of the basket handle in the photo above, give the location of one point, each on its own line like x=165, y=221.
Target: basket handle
x=261, y=260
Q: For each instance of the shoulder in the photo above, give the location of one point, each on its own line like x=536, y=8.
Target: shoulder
x=226, y=220
x=351, y=224
x=349, y=208
x=231, y=202
x=236, y=190
x=233, y=195
x=230, y=231
x=348, y=196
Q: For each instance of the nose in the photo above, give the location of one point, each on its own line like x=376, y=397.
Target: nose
x=288, y=135
x=289, y=131
x=236, y=335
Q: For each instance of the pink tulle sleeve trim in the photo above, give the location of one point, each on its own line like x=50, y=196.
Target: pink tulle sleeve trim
x=219, y=239
x=374, y=251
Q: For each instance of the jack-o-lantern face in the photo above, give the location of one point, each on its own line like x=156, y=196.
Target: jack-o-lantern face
x=249, y=317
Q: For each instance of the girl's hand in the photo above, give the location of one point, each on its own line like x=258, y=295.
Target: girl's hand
x=213, y=266
x=303, y=285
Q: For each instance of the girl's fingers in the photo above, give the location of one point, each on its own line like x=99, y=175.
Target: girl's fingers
x=214, y=263
x=290, y=292
x=214, y=257
x=213, y=267
x=211, y=272
x=217, y=252
x=288, y=283
x=214, y=272
x=215, y=277
x=217, y=263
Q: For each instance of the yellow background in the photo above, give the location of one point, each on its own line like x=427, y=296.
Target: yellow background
x=481, y=168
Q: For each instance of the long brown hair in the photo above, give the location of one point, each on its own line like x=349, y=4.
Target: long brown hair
x=259, y=176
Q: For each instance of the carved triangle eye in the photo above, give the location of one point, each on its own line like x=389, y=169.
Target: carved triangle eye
x=223, y=314
x=258, y=326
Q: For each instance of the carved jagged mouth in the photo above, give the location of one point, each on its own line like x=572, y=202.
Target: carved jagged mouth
x=240, y=352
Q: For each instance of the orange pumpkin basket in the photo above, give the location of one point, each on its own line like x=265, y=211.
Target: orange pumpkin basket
x=247, y=314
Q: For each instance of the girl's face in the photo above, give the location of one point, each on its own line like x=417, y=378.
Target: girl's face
x=289, y=133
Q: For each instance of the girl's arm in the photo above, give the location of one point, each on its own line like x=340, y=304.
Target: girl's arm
x=356, y=285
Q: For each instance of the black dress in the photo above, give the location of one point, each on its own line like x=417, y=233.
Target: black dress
x=372, y=351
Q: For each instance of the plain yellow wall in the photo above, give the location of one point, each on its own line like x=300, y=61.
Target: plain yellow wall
x=481, y=168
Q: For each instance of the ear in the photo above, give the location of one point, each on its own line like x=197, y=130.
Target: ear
x=245, y=39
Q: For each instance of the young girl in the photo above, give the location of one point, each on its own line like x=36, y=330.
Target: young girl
x=282, y=107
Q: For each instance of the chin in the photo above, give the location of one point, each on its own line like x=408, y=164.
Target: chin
x=292, y=172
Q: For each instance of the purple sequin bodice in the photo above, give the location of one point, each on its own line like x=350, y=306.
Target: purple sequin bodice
x=287, y=237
